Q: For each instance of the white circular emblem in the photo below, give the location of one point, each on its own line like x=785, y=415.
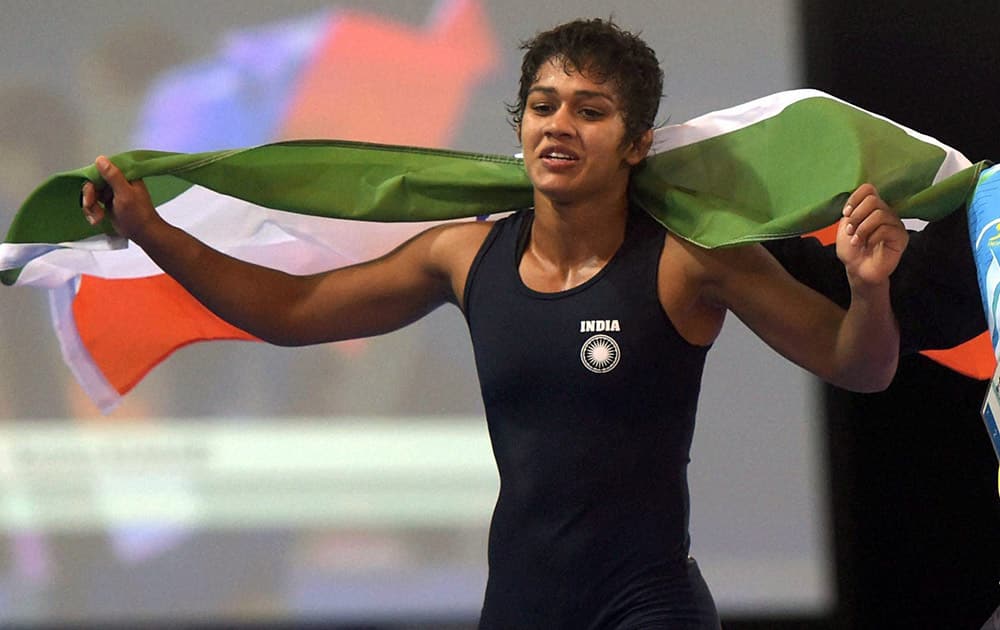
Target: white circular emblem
x=600, y=354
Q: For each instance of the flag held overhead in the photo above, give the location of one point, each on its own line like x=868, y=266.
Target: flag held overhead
x=771, y=168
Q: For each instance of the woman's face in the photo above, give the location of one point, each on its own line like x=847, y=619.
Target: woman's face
x=572, y=133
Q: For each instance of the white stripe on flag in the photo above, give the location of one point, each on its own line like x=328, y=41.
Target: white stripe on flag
x=292, y=242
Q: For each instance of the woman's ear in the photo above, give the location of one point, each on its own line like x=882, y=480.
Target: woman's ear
x=639, y=148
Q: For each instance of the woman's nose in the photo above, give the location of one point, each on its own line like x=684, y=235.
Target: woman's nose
x=560, y=122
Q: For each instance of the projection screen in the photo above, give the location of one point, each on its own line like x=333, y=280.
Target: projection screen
x=350, y=482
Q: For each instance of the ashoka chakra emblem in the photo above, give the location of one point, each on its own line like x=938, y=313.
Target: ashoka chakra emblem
x=600, y=354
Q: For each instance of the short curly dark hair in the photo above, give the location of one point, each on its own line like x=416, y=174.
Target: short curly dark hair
x=605, y=52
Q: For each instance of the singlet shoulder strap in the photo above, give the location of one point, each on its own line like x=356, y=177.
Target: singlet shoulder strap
x=501, y=227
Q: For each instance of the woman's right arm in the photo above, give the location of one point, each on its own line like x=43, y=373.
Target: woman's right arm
x=357, y=301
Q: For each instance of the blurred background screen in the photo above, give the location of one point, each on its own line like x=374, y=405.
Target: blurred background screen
x=351, y=482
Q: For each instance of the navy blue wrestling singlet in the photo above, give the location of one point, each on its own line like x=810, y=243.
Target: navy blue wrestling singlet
x=590, y=397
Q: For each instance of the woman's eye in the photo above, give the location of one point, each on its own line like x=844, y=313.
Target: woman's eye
x=591, y=114
x=541, y=108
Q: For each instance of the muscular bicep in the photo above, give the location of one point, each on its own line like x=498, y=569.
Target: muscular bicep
x=795, y=320
x=384, y=294
x=813, y=264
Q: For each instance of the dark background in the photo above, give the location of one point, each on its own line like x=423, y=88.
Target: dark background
x=915, y=509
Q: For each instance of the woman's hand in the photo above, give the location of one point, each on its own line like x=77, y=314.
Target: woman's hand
x=126, y=204
x=870, y=238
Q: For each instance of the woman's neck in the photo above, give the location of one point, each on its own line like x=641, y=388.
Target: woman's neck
x=571, y=233
x=569, y=244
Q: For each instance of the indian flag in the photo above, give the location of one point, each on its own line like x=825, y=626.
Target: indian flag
x=775, y=167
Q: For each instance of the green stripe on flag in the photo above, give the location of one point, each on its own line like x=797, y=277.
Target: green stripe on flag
x=337, y=179
x=787, y=175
